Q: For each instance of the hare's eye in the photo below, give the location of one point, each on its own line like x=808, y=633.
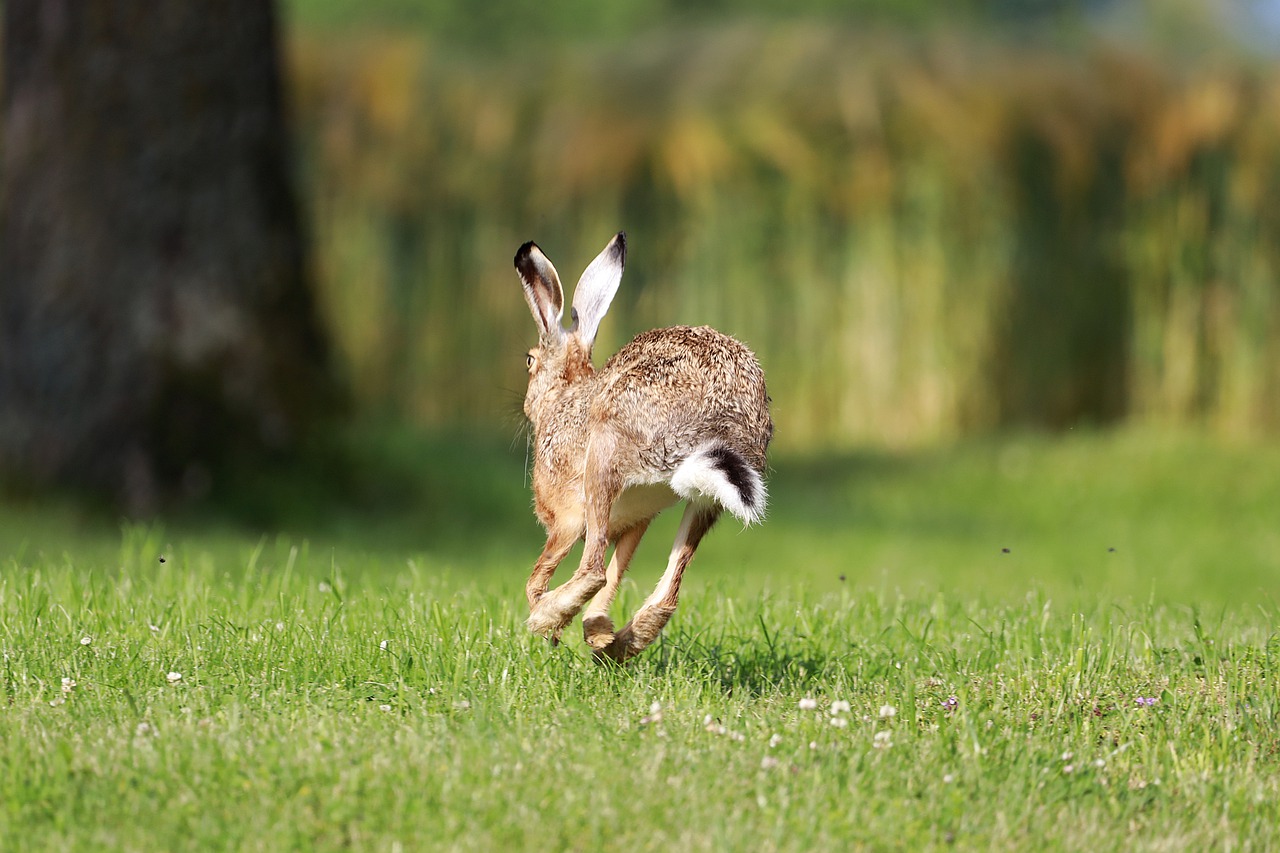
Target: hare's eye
x=528, y=360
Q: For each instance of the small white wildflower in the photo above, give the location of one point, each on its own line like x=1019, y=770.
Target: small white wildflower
x=947, y=779
x=462, y=704
x=839, y=707
x=142, y=729
x=61, y=700
x=383, y=645
x=155, y=629
x=323, y=586
x=737, y=737
x=707, y=721
x=839, y=722
x=990, y=724
x=887, y=712
x=84, y=641
x=882, y=740
x=1068, y=755
x=384, y=707
x=1068, y=768
x=768, y=762
x=68, y=684
x=807, y=704
x=655, y=708
x=1100, y=763
x=813, y=744
x=774, y=741
x=174, y=677
x=279, y=626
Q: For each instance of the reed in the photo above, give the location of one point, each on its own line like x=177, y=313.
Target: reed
x=921, y=236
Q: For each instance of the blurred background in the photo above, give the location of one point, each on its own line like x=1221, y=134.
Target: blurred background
x=931, y=219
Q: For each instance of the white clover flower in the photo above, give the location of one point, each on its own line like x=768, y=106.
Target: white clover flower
x=383, y=645
x=775, y=740
x=384, y=707
x=882, y=740
x=174, y=677
x=947, y=779
x=68, y=684
x=768, y=762
x=1068, y=755
x=84, y=641
x=839, y=722
x=655, y=708
x=839, y=707
x=1068, y=768
x=807, y=704
x=462, y=704
x=887, y=712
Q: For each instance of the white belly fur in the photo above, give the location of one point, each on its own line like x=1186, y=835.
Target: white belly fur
x=639, y=502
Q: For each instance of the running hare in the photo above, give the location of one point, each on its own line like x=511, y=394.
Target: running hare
x=677, y=413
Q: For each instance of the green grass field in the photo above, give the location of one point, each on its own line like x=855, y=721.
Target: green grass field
x=871, y=668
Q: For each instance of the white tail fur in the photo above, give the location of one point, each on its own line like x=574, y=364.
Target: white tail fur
x=718, y=472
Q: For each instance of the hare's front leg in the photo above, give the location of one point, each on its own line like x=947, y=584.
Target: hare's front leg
x=558, y=607
x=559, y=543
x=597, y=627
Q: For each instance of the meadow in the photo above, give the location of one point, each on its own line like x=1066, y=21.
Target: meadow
x=1021, y=642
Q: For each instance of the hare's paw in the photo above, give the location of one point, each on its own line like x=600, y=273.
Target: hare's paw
x=550, y=615
x=621, y=650
x=597, y=630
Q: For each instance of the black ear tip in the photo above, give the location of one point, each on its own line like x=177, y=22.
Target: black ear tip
x=522, y=254
x=620, y=245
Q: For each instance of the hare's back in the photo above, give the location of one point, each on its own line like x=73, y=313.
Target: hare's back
x=685, y=383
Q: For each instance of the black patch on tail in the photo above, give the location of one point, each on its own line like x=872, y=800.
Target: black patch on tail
x=737, y=471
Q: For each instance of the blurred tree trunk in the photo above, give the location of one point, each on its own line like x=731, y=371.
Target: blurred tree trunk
x=155, y=316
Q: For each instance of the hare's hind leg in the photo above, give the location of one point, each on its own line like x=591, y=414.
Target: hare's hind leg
x=652, y=616
x=597, y=627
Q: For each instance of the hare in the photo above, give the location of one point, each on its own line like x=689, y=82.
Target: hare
x=678, y=413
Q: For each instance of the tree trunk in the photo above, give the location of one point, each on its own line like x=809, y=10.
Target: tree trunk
x=155, y=315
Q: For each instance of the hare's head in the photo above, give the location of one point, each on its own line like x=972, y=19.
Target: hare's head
x=563, y=356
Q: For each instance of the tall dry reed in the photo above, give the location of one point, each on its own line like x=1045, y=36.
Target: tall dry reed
x=920, y=237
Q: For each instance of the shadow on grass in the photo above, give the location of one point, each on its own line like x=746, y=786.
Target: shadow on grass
x=754, y=665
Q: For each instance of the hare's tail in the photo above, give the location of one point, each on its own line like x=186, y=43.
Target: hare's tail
x=719, y=472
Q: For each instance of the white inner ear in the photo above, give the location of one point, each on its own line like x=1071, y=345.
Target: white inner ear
x=595, y=291
x=544, y=294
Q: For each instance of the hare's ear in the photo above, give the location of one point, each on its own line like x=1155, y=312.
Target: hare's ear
x=541, y=290
x=596, y=288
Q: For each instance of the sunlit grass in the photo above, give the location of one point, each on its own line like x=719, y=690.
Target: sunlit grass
x=199, y=685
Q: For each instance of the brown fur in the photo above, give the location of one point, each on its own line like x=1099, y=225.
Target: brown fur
x=606, y=444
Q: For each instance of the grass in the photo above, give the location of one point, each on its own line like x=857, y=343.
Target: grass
x=1012, y=677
